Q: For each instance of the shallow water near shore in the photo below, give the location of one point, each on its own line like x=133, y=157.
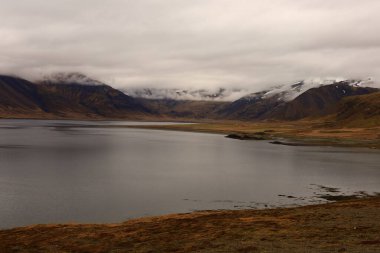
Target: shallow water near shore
x=102, y=172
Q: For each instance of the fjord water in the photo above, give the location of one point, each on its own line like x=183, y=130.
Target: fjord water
x=97, y=172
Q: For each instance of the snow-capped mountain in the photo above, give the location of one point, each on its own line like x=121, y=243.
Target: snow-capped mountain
x=309, y=98
x=220, y=94
x=70, y=78
x=288, y=92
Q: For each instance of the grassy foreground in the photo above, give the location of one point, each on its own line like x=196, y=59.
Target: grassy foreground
x=294, y=132
x=347, y=226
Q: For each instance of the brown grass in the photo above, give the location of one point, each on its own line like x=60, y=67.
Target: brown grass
x=348, y=226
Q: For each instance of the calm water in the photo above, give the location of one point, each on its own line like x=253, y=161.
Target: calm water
x=65, y=171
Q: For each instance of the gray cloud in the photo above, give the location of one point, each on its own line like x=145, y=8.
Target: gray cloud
x=197, y=43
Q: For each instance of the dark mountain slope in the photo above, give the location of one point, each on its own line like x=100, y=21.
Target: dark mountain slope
x=359, y=111
x=19, y=97
x=90, y=100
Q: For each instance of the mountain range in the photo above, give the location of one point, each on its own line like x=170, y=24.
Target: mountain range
x=76, y=96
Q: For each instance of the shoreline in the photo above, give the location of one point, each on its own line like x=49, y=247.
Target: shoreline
x=342, y=226
x=284, y=133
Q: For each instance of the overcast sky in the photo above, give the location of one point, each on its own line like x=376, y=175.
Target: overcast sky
x=192, y=43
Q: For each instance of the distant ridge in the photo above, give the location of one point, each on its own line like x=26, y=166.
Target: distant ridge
x=219, y=94
x=284, y=92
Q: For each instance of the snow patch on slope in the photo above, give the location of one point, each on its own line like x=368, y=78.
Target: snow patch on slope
x=71, y=78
